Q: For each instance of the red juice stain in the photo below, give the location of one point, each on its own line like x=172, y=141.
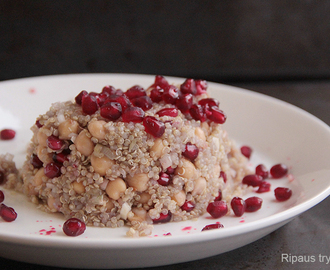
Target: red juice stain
x=242, y=220
x=32, y=90
x=167, y=234
x=49, y=232
x=188, y=228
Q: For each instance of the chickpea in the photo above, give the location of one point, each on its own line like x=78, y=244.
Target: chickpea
x=200, y=133
x=84, y=144
x=139, y=181
x=42, y=137
x=67, y=128
x=144, y=197
x=37, y=180
x=179, y=197
x=109, y=205
x=43, y=155
x=140, y=214
x=78, y=187
x=186, y=170
x=96, y=128
x=51, y=203
x=200, y=186
x=157, y=148
x=115, y=188
x=101, y=164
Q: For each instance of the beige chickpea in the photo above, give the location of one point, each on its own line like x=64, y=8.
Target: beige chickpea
x=179, y=197
x=115, y=188
x=101, y=164
x=43, y=155
x=144, y=197
x=200, y=133
x=96, y=128
x=84, y=144
x=140, y=214
x=200, y=186
x=109, y=205
x=206, y=127
x=139, y=181
x=51, y=203
x=42, y=137
x=187, y=169
x=67, y=128
x=78, y=187
x=37, y=179
x=157, y=148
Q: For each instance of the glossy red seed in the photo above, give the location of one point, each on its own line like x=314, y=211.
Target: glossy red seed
x=7, y=134
x=253, y=180
x=196, y=111
x=153, y=126
x=123, y=100
x=216, y=115
x=253, y=204
x=2, y=177
x=238, y=205
x=224, y=176
x=35, y=161
x=217, y=209
x=111, y=111
x=219, y=197
x=188, y=206
x=55, y=143
x=212, y=227
x=163, y=218
x=144, y=102
x=201, y=87
x=188, y=87
x=262, y=171
x=278, y=170
x=282, y=194
x=74, y=227
x=191, y=151
x=79, y=97
x=164, y=179
x=7, y=213
x=60, y=157
x=2, y=196
x=108, y=89
x=170, y=170
x=264, y=187
x=38, y=124
x=135, y=92
x=246, y=151
x=133, y=114
x=89, y=104
x=173, y=112
x=52, y=170
x=171, y=94
x=208, y=102
x=100, y=97
x=184, y=102
x=156, y=94
x=161, y=82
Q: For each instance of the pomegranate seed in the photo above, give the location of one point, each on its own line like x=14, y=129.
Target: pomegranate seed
x=35, y=161
x=7, y=213
x=253, y=204
x=262, y=171
x=74, y=227
x=144, y=102
x=217, y=209
x=212, y=227
x=154, y=126
x=2, y=177
x=278, y=171
x=238, y=205
x=156, y=94
x=170, y=170
x=173, y=112
x=2, y=196
x=224, y=176
x=161, y=82
x=264, y=187
x=60, y=157
x=188, y=206
x=123, y=100
x=100, y=98
x=216, y=115
x=171, y=94
x=201, y=86
x=111, y=111
x=246, y=151
x=219, y=197
x=38, y=124
x=119, y=92
x=108, y=89
x=55, y=143
x=7, y=134
x=133, y=114
x=79, y=97
x=164, y=179
x=191, y=151
x=52, y=170
x=197, y=112
x=89, y=104
x=184, y=102
x=188, y=87
x=253, y=180
x=208, y=102
x=163, y=218
x=135, y=92
x=282, y=194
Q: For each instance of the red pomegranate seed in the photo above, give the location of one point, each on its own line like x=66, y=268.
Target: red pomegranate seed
x=171, y=94
x=7, y=134
x=79, y=97
x=74, y=227
x=253, y=180
x=253, y=204
x=219, y=197
x=144, y=102
x=197, y=113
x=35, y=161
x=123, y=100
x=161, y=82
x=264, y=187
x=7, y=213
x=164, y=179
x=184, y=102
x=217, y=209
x=282, y=194
x=111, y=111
x=108, y=89
x=191, y=151
x=55, y=143
x=2, y=196
x=208, y=102
x=170, y=170
x=212, y=227
x=201, y=86
x=60, y=157
x=156, y=94
x=246, y=151
x=216, y=115
x=38, y=124
x=173, y=112
x=163, y=218
x=154, y=126
x=188, y=206
x=188, y=87
x=2, y=177
x=262, y=171
x=52, y=170
x=133, y=114
x=224, y=176
x=278, y=171
x=89, y=104
x=100, y=97
x=135, y=92
x=238, y=205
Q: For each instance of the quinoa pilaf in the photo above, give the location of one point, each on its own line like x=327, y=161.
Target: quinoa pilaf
x=118, y=158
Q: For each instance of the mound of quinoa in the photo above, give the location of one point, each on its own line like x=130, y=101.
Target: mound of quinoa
x=109, y=170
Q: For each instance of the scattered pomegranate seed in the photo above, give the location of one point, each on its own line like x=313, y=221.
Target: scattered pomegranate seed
x=184, y=102
x=7, y=213
x=111, y=111
x=52, y=170
x=224, y=176
x=188, y=206
x=262, y=171
x=144, y=102
x=171, y=94
x=2, y=196
x=246, y=151
x=191, y=151
x=253, y=180
x=2, y=177
x=217, y=209
x=133, y=114
x=55, y=143
x=163, y=218
x=238, y=205
x=156, y=94
x=219, y=197
x=173, y=112
x=161, y=82
x=135, y=92
x=123, y=100
x=89, y=104
x=282, y=194
x=60, y=157
x=253, y=204
x=264, y=187
x=278, y=171
x=208, y=102
x=110, y=90
x=154, y=126
x=201, y=86
x=216, y=115
x=197, y=112
x=164, y=179
x=212, y=227
x=79, y=97
x=74, y=227
x=7, y=134
x=188, y=87
x=35, y=161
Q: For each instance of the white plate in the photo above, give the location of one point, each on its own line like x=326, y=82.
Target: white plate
x=277, y=131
